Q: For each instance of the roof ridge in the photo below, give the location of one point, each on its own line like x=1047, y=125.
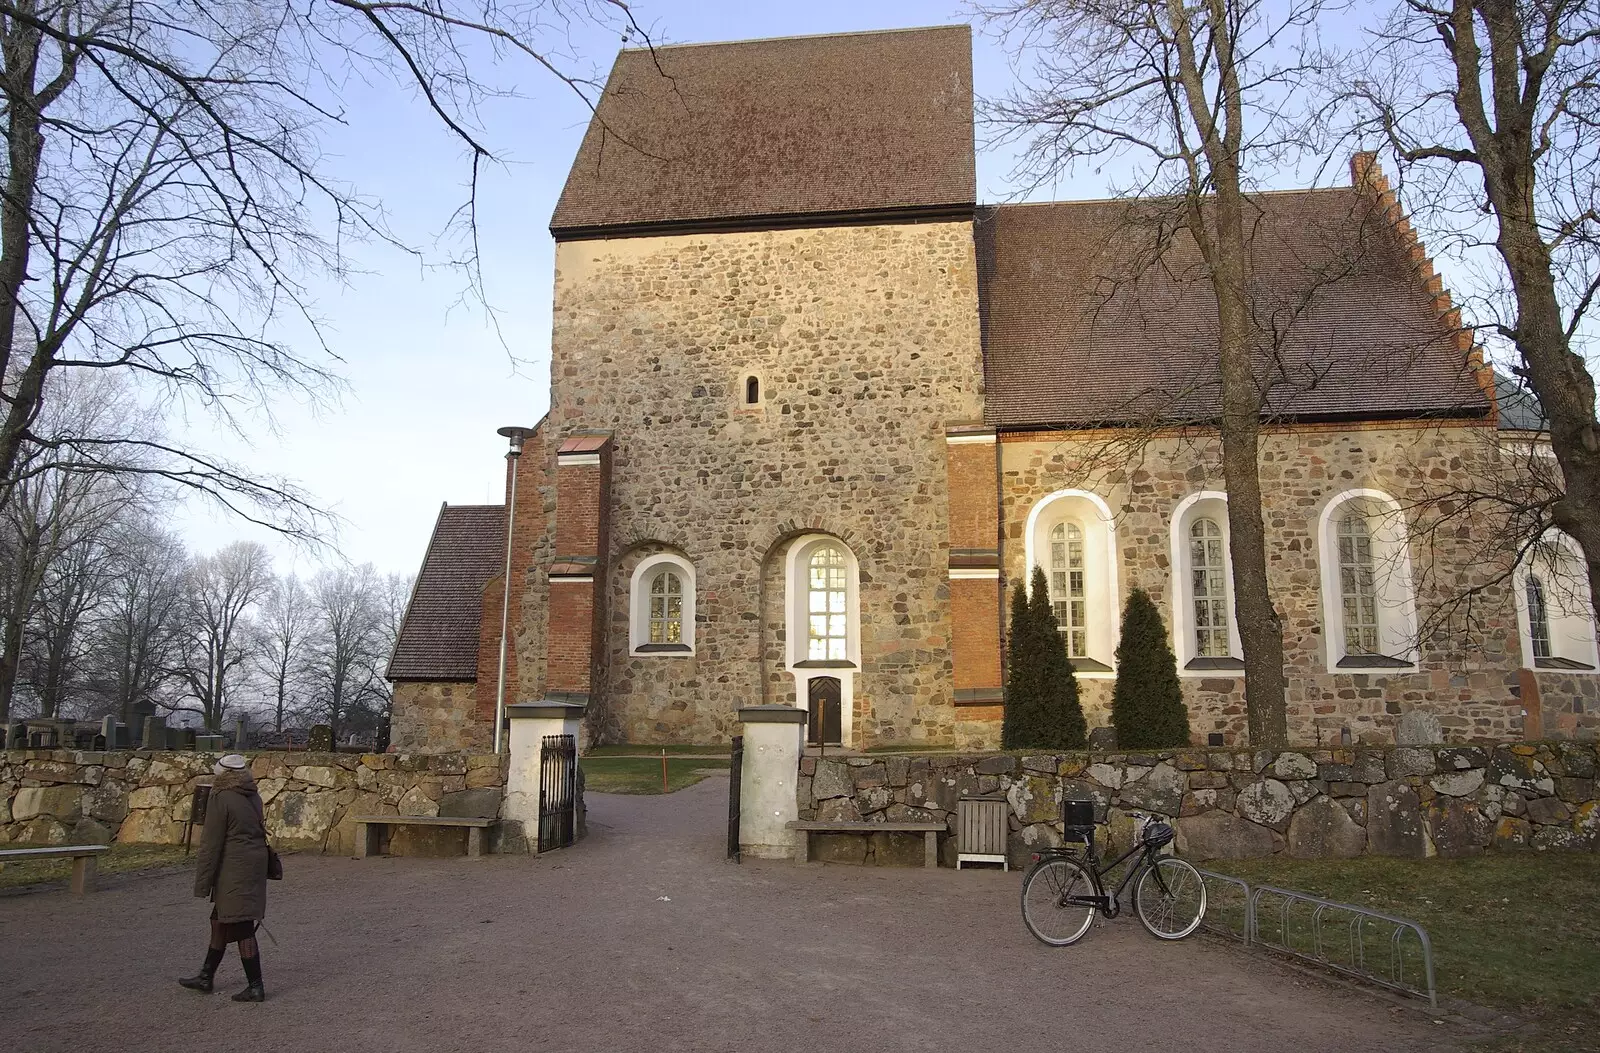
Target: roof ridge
x=1131, y=199
x=416, y=582
x=796, y=37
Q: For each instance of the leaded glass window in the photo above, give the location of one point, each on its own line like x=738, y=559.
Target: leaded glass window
x=1208, y=571
x=826, y=593
x=1538, y=617
x=666, y=608
x=1357, y=586
x=1068, y=598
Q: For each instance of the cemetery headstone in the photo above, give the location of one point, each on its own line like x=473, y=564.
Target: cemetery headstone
x=99, y=743
x=208, y=743
x=155, y=734
x=17, y=737
x=241, y=733
x=108, y=730
x=321, y=740
x=185, y=739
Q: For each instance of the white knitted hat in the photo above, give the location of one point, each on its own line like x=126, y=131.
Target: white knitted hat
x=232, y=762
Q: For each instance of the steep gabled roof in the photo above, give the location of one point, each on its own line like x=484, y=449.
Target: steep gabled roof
x=439, y=636
x=765, y=131
x=1102, y=313
x=1519, y=407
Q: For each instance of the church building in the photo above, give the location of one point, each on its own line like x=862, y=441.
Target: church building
x=814, y=410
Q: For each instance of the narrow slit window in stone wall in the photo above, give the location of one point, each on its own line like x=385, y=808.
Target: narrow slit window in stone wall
x=752, y=391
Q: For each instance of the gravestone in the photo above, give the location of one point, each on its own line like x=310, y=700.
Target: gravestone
x=1418, y=728
x=17, y=737
x=98, y=744
x=208, y=743
x=155, y=734
x=321, y=740
x=121, y=739
x=181, y=739
x=241, y=733
x=108, y=731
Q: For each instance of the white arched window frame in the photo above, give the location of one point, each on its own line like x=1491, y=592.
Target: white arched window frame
x=1090, y=514
x=656, y=608
x=1552, y=576
x=1365, y=558
x=1189, y=595
x=830, y=559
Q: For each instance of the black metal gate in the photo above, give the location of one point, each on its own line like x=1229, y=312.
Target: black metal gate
x=735, y=767
x=558, y=792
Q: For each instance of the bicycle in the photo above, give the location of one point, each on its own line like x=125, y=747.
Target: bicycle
x=1060, y=895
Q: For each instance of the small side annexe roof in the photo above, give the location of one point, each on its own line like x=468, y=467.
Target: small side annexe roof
x=439, y=634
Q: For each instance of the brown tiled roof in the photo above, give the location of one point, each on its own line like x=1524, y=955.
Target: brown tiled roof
x=1097, y=312
x=796, y=126
x=439, y=636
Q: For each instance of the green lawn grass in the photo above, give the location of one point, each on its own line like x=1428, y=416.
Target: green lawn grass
x=625, y=750
x=120, y=858
x=642, y=774
x=1519, y=932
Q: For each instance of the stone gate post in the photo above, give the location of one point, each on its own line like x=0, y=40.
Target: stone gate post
x=772, y=736
x=530, y=723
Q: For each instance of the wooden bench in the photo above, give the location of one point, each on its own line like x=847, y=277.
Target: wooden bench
x=369, y=825
x=805, y=828
x=83, y=861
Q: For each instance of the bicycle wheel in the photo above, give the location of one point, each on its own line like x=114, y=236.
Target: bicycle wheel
x=1045, y=909
x=1170, y=898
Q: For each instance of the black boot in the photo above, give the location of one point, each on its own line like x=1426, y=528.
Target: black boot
x=255, y=992
x=201, y=981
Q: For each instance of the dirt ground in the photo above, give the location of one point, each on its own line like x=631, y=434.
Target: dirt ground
x=642, y=938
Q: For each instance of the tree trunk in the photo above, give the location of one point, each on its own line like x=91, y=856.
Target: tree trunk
x=1260, y=629
x=25, y=145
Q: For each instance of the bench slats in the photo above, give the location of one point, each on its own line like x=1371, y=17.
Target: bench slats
x=422, y=820
x=55, y=850
x=852, y=827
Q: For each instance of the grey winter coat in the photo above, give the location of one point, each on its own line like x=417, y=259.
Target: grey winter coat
x=232, y=868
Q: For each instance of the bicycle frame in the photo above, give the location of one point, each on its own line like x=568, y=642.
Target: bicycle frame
x=1110, y=905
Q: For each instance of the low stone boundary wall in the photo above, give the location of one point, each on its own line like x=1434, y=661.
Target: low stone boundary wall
x=70, y=797
x=1413, y=801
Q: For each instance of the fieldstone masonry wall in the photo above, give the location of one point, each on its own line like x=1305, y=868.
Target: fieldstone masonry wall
x=1415, y=801
x=66, y=797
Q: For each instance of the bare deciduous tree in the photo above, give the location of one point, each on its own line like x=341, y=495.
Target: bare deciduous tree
x=1493, y=110
x=218, y=635
x=286, y=625
x=167, y=199
x=1195, y=93
x=136, y=634
x=347, y=650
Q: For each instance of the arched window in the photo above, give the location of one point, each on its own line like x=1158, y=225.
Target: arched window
x=1554, y=614
x=1358, y=592
x=1369, y=612
x=1204, y=637
x=1068, y=588
x=827, y=597
x=1208, y=574
x=1538, y=618
x=1072, y=537
x=661, y=606
x=752, y=391
x=666, y=608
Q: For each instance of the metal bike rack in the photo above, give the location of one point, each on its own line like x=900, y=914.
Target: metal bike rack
x=1346, y=953
x=1220, y=928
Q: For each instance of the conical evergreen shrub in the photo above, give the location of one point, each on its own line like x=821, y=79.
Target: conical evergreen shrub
x=1042, y=708
x=1147, y=703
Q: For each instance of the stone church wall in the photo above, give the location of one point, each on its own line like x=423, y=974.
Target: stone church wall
x=1468, y=678
x=439, y=717
x=866, y=344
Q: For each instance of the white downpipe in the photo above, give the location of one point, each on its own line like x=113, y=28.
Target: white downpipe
x=505, y=601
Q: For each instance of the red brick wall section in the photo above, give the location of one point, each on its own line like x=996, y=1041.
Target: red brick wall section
x=569, y=658
x=578, y=573
x=974, y=602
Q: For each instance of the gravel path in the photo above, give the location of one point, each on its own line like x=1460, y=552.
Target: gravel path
x=642, y=939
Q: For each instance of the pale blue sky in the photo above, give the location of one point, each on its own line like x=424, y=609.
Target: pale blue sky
x=430, y=378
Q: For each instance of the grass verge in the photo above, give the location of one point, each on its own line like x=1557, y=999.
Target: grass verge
x=625, y=750
x=1518, y=932
x=643, y=774
x=120, y=859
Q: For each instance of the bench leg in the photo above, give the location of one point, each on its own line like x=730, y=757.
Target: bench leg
x=363, y=840
x=802, y=846
x=475, y=841
x=930, y=849
x=83, y=873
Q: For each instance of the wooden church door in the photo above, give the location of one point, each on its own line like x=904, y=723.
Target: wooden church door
x=827, y=723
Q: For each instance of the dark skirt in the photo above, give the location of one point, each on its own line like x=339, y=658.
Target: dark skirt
x=234, y=931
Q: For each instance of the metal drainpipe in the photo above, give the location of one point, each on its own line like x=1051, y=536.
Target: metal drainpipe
x=1000, y=558
x=512, y=456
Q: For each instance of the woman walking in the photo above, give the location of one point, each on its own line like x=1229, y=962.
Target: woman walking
x=232, y=872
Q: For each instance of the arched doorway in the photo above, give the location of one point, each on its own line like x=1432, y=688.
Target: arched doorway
x=824, y=701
